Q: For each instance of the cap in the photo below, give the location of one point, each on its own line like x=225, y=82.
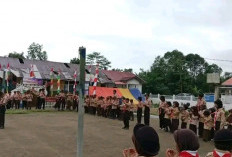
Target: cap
x=223, y=135
x=147, y=138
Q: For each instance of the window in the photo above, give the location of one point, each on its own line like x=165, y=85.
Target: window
x=21, y=61
x=67, y=66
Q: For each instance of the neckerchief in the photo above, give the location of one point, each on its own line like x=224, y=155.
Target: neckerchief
x=189, y=154
x=218, y=154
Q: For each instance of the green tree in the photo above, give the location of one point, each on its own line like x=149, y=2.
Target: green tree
x=95, y=58
x=75, y=61
x=16, y=55
x=35, y=51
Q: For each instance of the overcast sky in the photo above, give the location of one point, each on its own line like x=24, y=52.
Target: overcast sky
x=130, y=33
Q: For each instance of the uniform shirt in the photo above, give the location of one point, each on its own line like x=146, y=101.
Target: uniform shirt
x=114, y=104
x=229, y=119
x=200, y=102
x=29, y=97
x=193, y=120
x=219, y=153
x=201, y=116
x=185, y=116
x=175, y=113
x=208, y=123
x=148, y=102
x=132, y=106
x=140, y=105
x=220, y=116
x=42, y=95
x=168, y=112
x=188, y=154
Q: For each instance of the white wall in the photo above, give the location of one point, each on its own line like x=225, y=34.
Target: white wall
x=134, y=84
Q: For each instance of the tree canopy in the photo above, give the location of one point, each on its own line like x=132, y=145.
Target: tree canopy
x=35, y=51
x=16, y=55
x=95, y=58
x=75, y=61
x=176, y=73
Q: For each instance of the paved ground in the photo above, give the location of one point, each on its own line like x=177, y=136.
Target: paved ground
x=54, y=134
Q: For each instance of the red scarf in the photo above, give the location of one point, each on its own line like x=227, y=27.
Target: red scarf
x=215, y=154
x=187, y=154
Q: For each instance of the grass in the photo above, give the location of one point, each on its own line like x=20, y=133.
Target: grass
x=20, y=111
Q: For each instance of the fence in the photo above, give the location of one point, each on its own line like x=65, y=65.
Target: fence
x=192, y=100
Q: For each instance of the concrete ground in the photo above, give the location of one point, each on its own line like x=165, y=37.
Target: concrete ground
x=54, y=134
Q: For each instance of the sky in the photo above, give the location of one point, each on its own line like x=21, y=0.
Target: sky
x=130, y=33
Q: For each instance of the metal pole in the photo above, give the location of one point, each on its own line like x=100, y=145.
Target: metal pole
x=82, y=52
x=3, y=81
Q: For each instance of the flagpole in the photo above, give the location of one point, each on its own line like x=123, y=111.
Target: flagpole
x=80, y=138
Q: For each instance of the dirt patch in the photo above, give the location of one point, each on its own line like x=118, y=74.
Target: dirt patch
x=54, y=134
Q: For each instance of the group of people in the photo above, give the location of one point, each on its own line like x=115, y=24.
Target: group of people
x=202, y=121
x=146, y=143
x=66, y=101
x=121, y=108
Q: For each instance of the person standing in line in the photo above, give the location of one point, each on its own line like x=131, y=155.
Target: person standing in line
x=184, y=117
x=219, y=116
x=8, y=96
x=2, y=110
x=147, y=106
x=29, y=98
x=12, y=100
x=17, y=100
x=42, y=99
x=63, y=100
x=175, y=116
x=167, y=117
x=76, y=102
x=201, y=120
x=208, y=125
x=24, y=100
x=132, y=106
x=229, y=120
x=69, y=101
x=114, y=107
x=126, y=114
x=139, y=110
x=200, y=101
x=193, y=119
x=162, y=107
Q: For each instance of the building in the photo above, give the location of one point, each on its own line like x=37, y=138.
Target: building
x=124, y=79
x=20, y=75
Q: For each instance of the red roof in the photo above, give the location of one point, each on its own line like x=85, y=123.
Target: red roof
x=227, y=82
x=117, y=76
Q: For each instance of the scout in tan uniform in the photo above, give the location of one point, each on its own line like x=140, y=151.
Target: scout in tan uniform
x=175, y=116
x=69, y=101
x=126, y=115
x=200, y=101
x=162, y=107
x=132, y=106
x=201, y=120
x=114, y=106
x=76, y=102
x=208, y=125
x=87, y=103
x=29, y=98
x=147, y=106
x=223, y=144
x=219, y=119
x=17, y=100
x=42, y=99
x=94, y=104
x=139, y=110
x=184, y=117
x=193, y=119
x=229, y=120
x=167, y=117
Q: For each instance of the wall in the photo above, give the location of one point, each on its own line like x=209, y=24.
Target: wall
x=134, y=84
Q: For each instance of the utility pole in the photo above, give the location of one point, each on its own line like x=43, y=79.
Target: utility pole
x=80, y=139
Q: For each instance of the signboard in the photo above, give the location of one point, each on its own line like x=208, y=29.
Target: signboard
x=213, y=78
x=32, y=81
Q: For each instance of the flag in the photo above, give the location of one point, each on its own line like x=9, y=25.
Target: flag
x=51, y=83
x=75, y=82
x=32, y=74
x=58, y=81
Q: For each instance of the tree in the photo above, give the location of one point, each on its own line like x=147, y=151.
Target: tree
x=35, y=51
x=75, y=61
x=16, y=55
x=95, y=58
x=176, y=73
